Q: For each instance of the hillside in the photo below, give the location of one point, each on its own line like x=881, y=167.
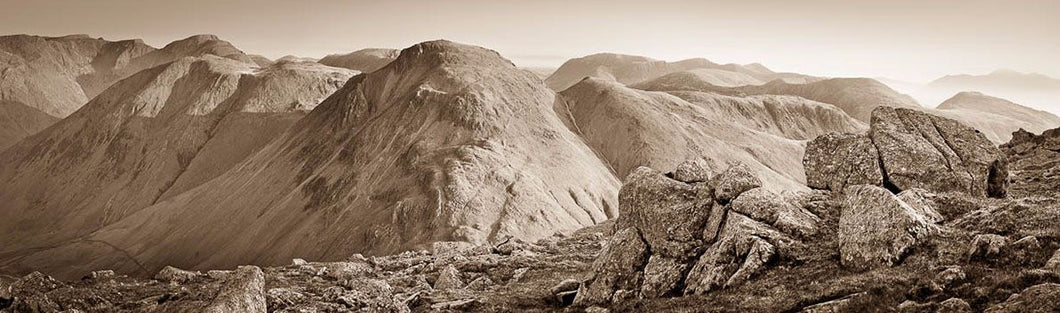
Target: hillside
x=855, y=96
x=364, y=60
x=448, y=142
x=630, y=128
x=997, y=118
x=629, y=69
x=145, y=139
x=18, y=121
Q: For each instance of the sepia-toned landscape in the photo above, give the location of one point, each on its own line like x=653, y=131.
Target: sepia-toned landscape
x=442, y=175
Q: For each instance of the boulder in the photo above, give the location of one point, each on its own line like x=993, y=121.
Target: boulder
x=987, y=246
x=734, y=181
x=695, y=170
x=954, y=305
x=834, y=161
x=742, y=249
x=242, y=291
x=877, y=229
x=920, y=150
x=279, y=298
x=662, y=275
x=1053, y=264
x=920, y=200
x=669, y=214
x=616, y=269
x=176, y=275
x=906, y=149
x=1037, y=298
x=448, y=278
x=778, y=210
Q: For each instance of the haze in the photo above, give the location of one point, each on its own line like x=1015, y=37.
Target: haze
x=907, y=40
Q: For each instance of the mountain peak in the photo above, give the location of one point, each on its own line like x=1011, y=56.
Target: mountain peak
x=439, y=52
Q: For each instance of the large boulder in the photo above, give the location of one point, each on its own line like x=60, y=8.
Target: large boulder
x=877, y=229
x=243, y=291
x=617, y=268
x=834, y=161
x=910, y=149
x=779, y=210
x=1034, y=162
x=742, y=249
x=668, y=213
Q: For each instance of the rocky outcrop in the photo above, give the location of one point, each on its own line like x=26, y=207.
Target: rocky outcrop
x=1037, y=298
x=691, y=237
x=242, y=291
x=1035, y=162
x=876, y=228
x=914, y=150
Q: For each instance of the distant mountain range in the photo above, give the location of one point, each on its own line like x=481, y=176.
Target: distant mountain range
x=1029, y=89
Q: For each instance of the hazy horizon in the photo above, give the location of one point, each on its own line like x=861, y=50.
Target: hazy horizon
x=913, y=41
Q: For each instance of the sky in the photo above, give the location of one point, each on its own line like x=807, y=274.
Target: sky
x=914, y=41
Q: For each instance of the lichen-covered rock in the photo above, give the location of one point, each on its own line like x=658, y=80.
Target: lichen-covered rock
x=448, y=278
x=920, y=200
x=669, y=214
x=987, y=246
x=734, y=181
x=1034, y=162
x=617, y=268
x=877, y=229
x=834, y=161
x=176, y=275
x=242, y=291
x=1053, y=264
x=1037, y=298
x=954, y=305
x=662, y=275
x=919, y=150
x=780, y=211
x=280, y=298
x=742, y=249
x=695, y=170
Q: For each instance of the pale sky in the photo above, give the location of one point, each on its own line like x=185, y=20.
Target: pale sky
x=901, y=39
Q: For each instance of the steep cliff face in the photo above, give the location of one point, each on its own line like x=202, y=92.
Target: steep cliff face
x=148, y=137
x=448, y=142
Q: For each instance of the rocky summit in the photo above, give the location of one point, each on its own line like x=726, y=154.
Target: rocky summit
x=445, y=178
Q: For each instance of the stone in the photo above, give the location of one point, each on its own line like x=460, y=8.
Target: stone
x=480, y=284
x=1027, y=242
x=742, y=249
x=596, y=309
x=448, y=278
x=371, y=295
x=777, y=210
x=920, y=150
x=847, y=303
x=242, y=291
x=565, y=285
x=1053, y=264
x=834, y=161
x=694, y=170
x=518, y=274
x=617, y=268
x=176, y=275
x=987, y=246
x=734, y=181
x=102, y=274
x=566, y=298
x=877, y=229
x=669, y=214
x=298, y=262
x=920, y=200
x=714, y=222
x=279, y=298
x=954, y=305
x=950, y=276
x=1037, y=298
x=450, y=248
x=662, y=275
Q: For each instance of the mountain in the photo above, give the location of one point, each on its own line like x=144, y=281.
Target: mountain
x=448, y=142
x=364, y=60
x=855, y=96
x=57, y=75
x=1035, y=90
x=997, y=118
x=629, y=69
x=18, y=120
x=146, y=139
x=630, y=128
